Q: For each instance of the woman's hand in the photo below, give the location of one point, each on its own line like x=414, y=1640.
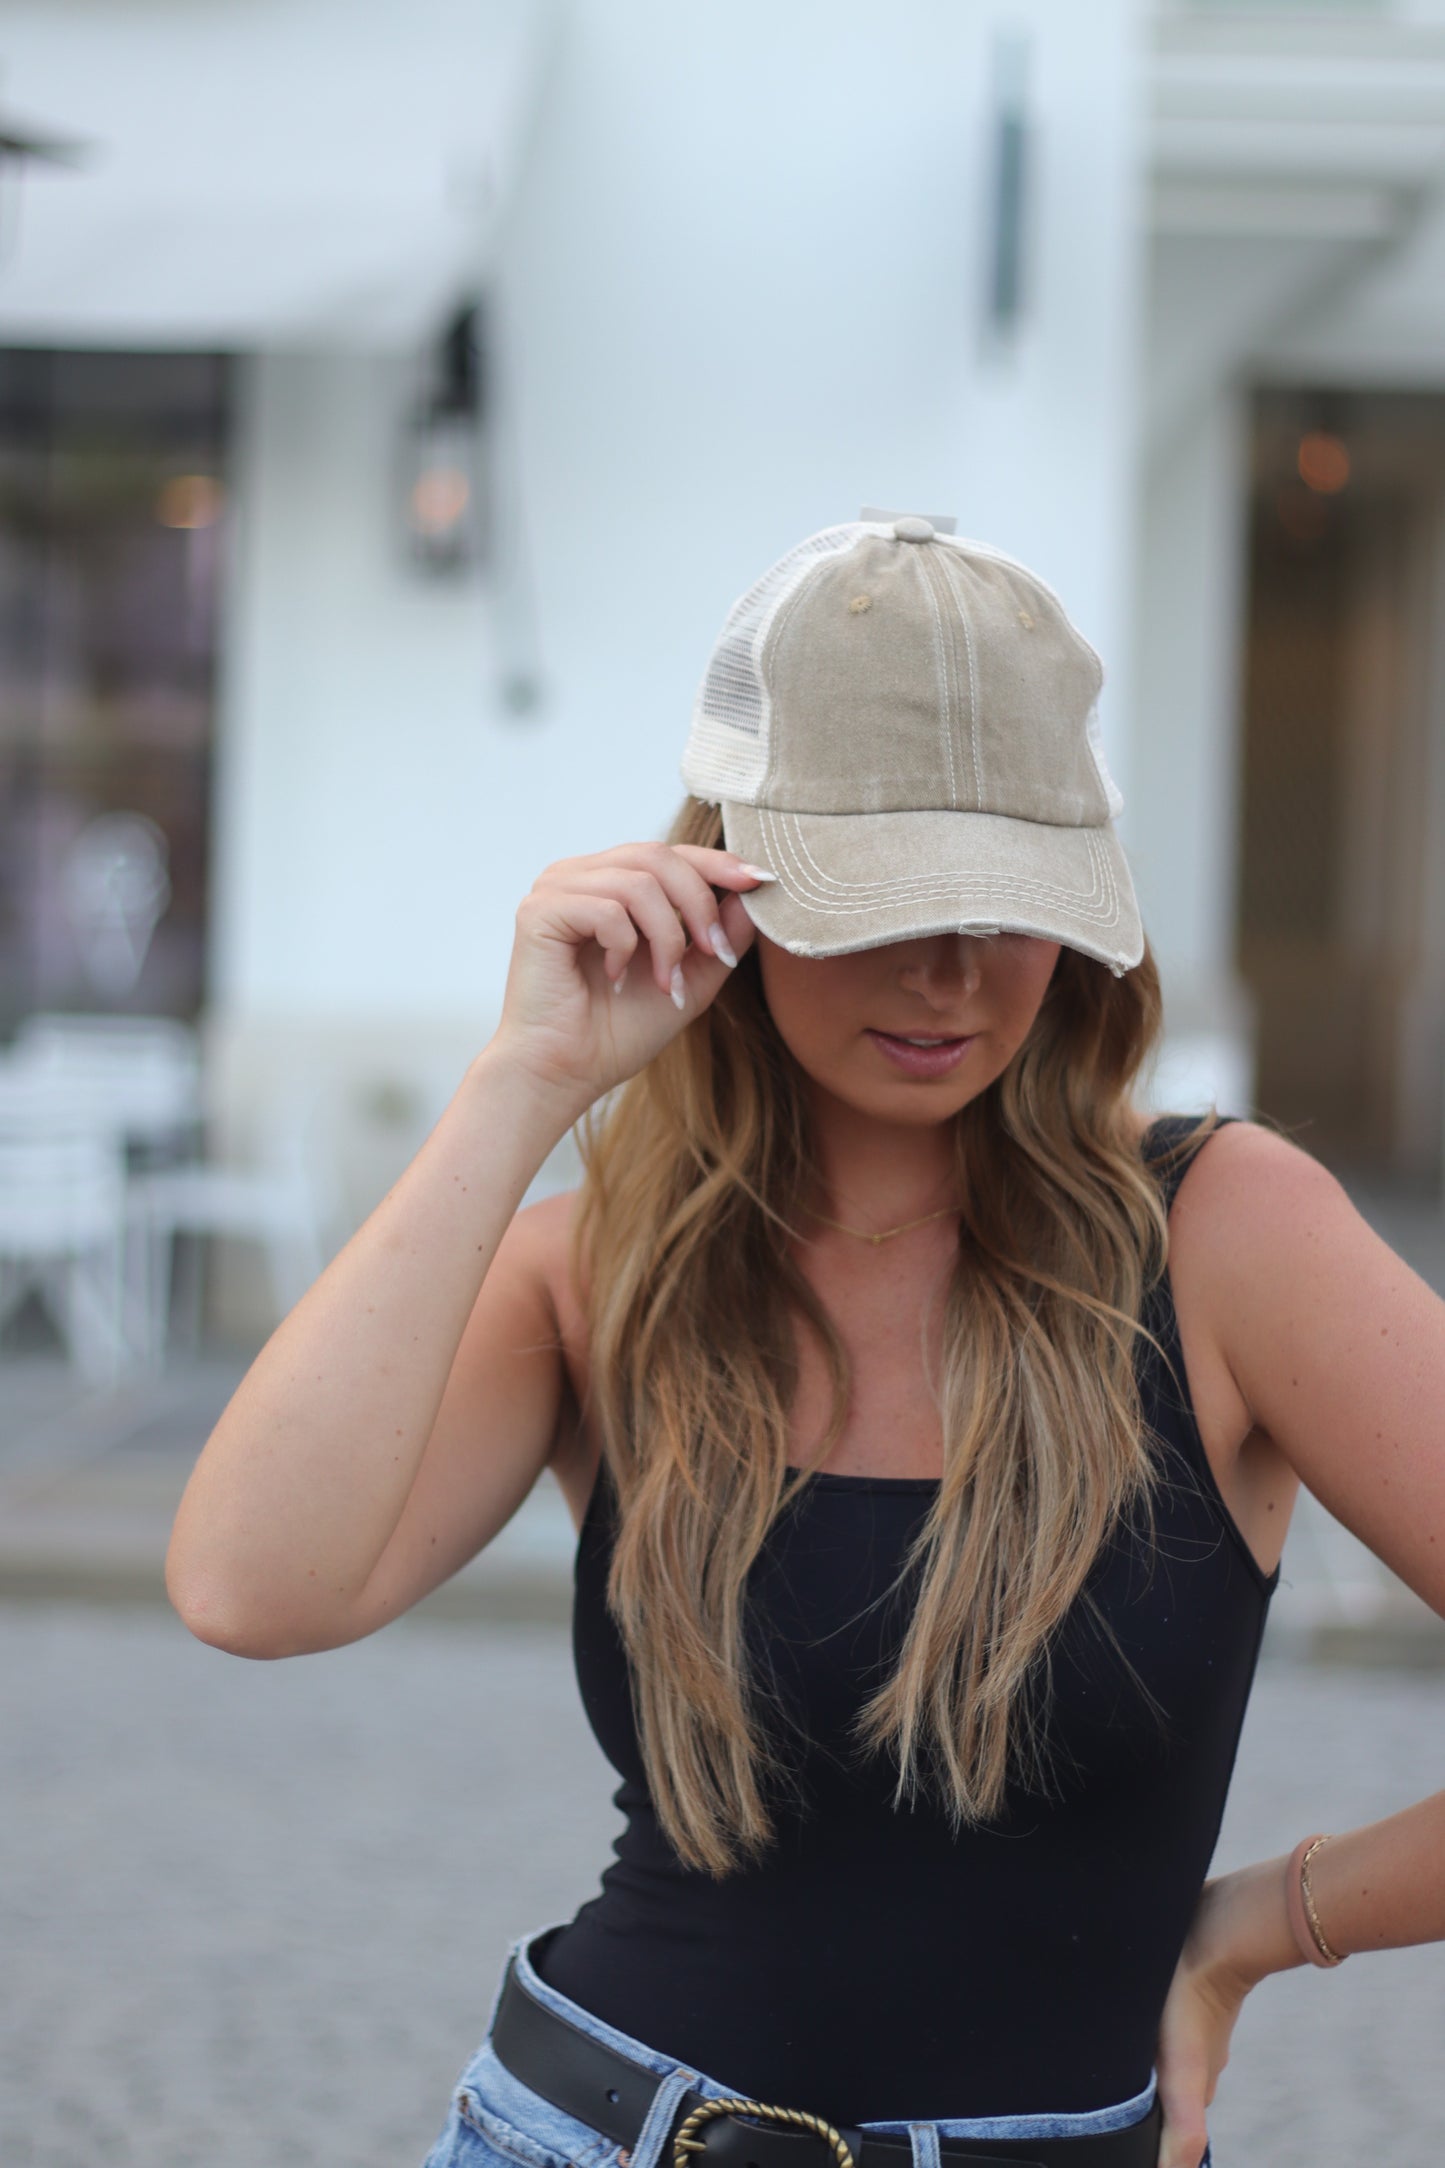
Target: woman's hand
x=614, y=954
x=1194, y=2036
x=1239, y=1934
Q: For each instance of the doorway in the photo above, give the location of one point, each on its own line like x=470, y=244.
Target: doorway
x=1341, y=898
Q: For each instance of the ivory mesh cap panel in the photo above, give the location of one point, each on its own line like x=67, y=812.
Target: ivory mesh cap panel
x=902, y=725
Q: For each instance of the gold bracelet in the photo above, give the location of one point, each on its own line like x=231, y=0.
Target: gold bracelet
x=1330, y=1956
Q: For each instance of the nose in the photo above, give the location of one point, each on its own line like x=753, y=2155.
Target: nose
x=943, y=965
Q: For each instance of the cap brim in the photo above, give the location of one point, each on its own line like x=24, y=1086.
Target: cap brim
x=848, y=881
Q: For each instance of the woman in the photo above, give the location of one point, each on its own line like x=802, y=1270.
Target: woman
x=928, y=1524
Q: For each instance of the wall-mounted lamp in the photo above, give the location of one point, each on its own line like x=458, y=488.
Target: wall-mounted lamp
x=1009, y=158
x=22, y=146
x=446, y=479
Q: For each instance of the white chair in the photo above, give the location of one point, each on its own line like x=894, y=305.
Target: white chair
x=142, y=1074
x=65, y=1034
x=132, y=1085
x=283, y=1202
x=62, y=1229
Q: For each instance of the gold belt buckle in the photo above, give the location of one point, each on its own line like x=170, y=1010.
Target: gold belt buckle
x=687, y=2141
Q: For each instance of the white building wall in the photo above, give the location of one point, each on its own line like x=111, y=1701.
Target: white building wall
x=740, y=296
x=352, y=754
x=743, y=272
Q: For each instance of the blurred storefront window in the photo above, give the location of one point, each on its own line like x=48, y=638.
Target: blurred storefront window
x=112, y=525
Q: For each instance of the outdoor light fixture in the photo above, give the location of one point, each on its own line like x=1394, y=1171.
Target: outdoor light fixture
x=1323, y=461
x=1008, y=190
x=445, y=470
x=190, y=500
x=22, y=146
x=460, y=500
x=1313, y=464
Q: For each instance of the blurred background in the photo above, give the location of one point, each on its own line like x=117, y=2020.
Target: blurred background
x=392, y=402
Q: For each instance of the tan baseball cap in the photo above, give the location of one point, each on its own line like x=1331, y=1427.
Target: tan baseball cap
x=902, y=726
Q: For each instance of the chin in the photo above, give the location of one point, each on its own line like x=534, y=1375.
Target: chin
x=908, y=1101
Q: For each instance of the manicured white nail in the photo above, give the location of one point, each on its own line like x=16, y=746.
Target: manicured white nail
x=721, y=945
x=620, y=981
x=679, y=988
x=759, y=873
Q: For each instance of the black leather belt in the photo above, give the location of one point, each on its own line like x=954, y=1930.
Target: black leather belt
x=612, y=2094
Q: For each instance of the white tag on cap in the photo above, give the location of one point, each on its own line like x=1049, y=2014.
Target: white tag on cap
x=940, y=522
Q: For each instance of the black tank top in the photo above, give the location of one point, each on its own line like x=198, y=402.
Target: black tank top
x=873, y=1965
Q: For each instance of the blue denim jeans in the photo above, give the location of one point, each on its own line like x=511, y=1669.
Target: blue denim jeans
x=497, y=2122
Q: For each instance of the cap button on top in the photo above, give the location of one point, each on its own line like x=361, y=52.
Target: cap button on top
x=913, y=530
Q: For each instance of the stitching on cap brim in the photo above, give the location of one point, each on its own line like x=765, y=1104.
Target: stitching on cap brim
x=817, y=903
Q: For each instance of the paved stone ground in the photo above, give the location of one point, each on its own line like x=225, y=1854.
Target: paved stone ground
x=252, y=1914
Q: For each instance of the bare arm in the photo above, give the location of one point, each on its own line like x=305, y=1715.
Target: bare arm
x=400, y=1413
x=304, y=1479
x=1338, y=1349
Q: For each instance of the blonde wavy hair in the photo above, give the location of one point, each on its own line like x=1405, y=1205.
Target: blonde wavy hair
x=695, y=1173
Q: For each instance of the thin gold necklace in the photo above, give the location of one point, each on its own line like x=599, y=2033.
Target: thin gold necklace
x=888, y=1232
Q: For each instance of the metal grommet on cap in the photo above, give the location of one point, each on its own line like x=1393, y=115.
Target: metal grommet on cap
x=913, y=530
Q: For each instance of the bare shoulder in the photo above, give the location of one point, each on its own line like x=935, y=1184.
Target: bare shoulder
x=545, y=1227
x=1246, y=1168
x=540, y=1238
x=1250, y=1206
x=1251, y=1193
x=1336, y=1345
x=526, y=1295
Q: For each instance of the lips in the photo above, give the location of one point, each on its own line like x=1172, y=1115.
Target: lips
x=932, y=1059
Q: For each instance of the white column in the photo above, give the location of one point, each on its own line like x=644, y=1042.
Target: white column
x=1182, y=823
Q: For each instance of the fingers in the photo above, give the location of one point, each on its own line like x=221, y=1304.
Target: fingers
x=1183, y=2146
x=667, y=893
x=652, y=911
x=686, y=876
x=578, y=917
x=737, y=924
x=1184, y=2092
x=724, y=869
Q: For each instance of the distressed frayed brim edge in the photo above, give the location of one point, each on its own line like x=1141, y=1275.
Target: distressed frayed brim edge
x=849, y=881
